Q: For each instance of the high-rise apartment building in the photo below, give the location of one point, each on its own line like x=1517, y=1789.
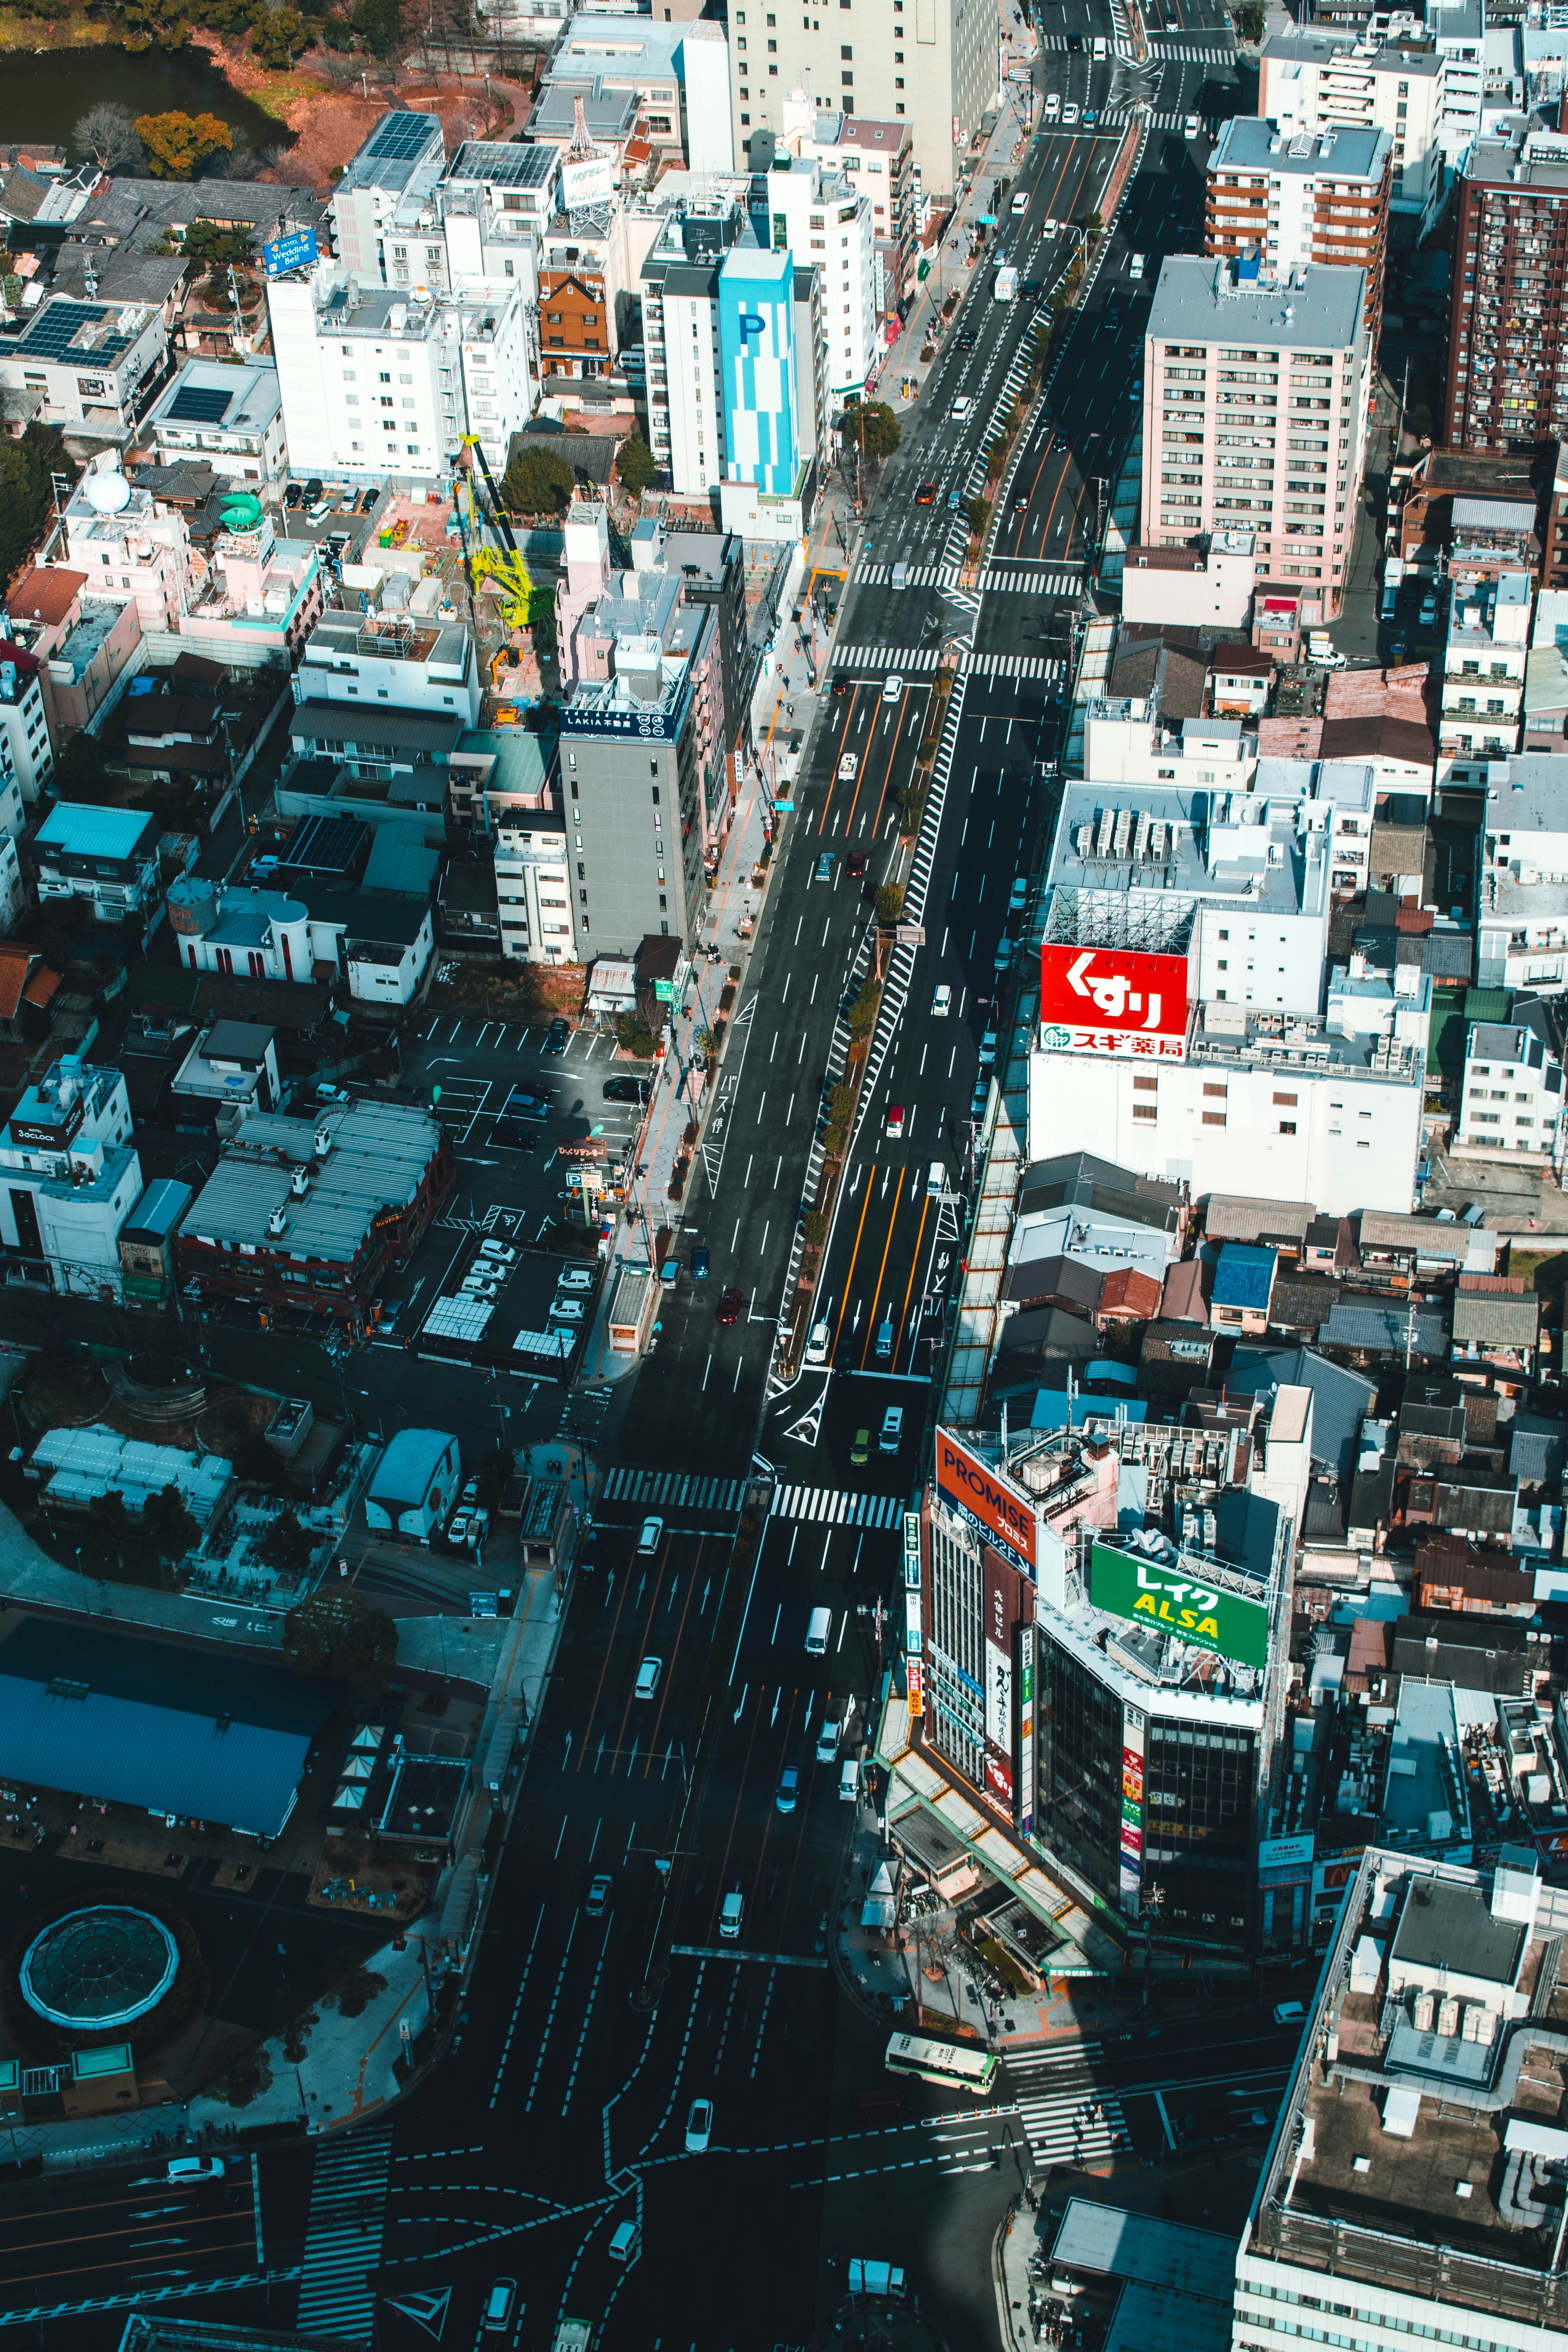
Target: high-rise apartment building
x=1255, y=405
x=875, y=156
x=632, y=765
x=1290, y=199
x=1315, y=79
x=1508, y=354
x=933, y=64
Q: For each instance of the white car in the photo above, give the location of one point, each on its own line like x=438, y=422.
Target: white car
x=566, y=1310
x=846, y=768
x=942, y=1003
x=961, y=406
x=1069, y=115
x=502, y=1252
x=1053, y=105
x=649, y=1674
x=193, y=2167
x=1020, y=893
x=1191, y=127
x=1136, y=265
x=892, y=689
x=730, y=1914
x=650, y=1537
x=988, y=1049
x=1004, y=952
x=699, y=2127
x=576, y=1277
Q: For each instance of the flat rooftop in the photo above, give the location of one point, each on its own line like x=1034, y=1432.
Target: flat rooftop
x=1389, y=2166
x=1201, y=300
x=400, y=146
x=377, y=1157
x=1170, y=842
x=1247, y=143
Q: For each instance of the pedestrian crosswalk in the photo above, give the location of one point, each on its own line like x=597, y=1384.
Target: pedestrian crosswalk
x=1012, y=664
x=916, y=575
x=1010, y=580
x=835, y=1507
x=882, y=658
x=343, y=2236
x=1117, y=117
x=1064, y=2118
x=677, y=1489
x=1191, y=53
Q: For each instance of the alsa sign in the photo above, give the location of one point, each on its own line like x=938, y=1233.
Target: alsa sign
x=1168, y=1598
x=990, y=1503
x=1102, y=993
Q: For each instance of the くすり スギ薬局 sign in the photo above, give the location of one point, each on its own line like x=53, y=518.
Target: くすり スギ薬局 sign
x=1104, y=999
x=1150, y=1592
x=997, y=1509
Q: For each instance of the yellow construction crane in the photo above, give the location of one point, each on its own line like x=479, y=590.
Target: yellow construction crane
x=503, y=564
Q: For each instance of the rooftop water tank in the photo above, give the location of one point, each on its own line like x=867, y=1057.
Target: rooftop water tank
x=193, y=905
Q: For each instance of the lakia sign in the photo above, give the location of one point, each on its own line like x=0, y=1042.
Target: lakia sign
x=1167, y=1596
x=999, y=1511
x=1111, y=1002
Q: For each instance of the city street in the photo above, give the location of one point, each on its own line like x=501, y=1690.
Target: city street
x=672, y=1908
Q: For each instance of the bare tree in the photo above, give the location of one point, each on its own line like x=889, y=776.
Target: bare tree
x=108, y=133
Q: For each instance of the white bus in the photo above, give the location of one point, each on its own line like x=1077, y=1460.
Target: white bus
x=960, y=2064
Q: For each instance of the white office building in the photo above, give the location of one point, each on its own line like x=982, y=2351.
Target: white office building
x=69, y=1177
x=392, y=658
x=1409, y=2189
x=86, y=362
x=226, y=415
x=379, y=385
x=1521, y=914
x=26, y=753
x=1512, y=1105
x=533, y=887
x=826, y=222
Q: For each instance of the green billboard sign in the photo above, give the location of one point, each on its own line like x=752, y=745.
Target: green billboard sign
x=1166, y=1595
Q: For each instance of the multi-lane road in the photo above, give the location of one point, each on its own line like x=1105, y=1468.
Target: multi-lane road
x=560, y=2108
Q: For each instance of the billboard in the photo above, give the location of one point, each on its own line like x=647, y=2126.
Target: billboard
x=295, y=251
x=1108, y=1000
x=999, y=1511
x=911, y=1551
x=1167, y=1595
x=591, y=182
x=1131, y=1858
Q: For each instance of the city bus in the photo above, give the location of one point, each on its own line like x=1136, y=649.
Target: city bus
x=961, y=2065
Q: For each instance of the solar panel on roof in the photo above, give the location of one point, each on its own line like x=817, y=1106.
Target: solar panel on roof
x=199, y=403
x=400, y=138
x=326, y=845
x=51, y=335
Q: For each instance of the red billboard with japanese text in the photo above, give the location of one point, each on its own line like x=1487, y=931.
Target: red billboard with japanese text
x=999, y=1510
x=1109, y=999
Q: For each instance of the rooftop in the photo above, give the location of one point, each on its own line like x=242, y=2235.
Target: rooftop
x=1334, y=48
x=1249, y=145
x=214, y=399
x=1203, y=301
x=78, y=829
x=400, y=146
x=1384, y=2122
x=1158, y=849
x=503, y=164
x=378, y=1155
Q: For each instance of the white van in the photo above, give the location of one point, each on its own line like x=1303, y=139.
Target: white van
x=817, y=1631
x=627, y=2244
x=730, y=1912
x=827, y=1731
x=1020, y=203
x=1135, y=266
x=1100, y=50
x=900, y=576
x=892, y=1433
x=816, y=1347
x=936, y=1179
x=884, y=1339
x=849, y=1782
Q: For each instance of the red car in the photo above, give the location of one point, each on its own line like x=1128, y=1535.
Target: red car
x=730, y=1305
x=854, y=868
x=926, y=495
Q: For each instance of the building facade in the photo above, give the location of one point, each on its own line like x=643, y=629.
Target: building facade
x=106, y=856
x=1508, y=352
x=68, y=1178
x=229, y=415
x=1255, y=407
x=826, y=219
x=1317, y=77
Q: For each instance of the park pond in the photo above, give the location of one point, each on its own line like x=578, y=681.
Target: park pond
x=45, y=94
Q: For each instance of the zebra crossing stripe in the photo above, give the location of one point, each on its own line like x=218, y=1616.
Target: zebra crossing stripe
x=836, y=1506
x=673, y=1487
x=342, y=2240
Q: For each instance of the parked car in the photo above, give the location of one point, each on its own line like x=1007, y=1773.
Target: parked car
x=555, y=1041
x=635, y=1090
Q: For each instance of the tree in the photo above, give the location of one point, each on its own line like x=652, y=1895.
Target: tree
x=286, y=1546
x=379, y=25
x=633, y=1036
x=862, y=1016
x=537, y=482
x=108, y=133
x=280, y=36
x=26, y=492
x=978, y=512
x=167, y=1527
x=492, y=1477
x=889, y=905
x=871, y=427
x=79, y=771
x=177, y=143
x=206, y=243
x=1250, y=20
x=338, y=1633
x=634, y=463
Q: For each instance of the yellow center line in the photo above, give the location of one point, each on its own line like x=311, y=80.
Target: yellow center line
x=887, y=1246
x=914, y=1269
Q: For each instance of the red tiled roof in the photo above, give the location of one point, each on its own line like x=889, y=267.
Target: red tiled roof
x=46, y=592
x=1407, y=918
x=15, y=961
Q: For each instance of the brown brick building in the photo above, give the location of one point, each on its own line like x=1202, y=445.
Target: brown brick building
x=573, y=327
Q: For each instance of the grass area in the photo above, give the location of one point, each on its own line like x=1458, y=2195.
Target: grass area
x=281, y=91
x=1544, y=1271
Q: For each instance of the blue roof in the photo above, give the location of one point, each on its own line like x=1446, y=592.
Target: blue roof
x=89, y=831
x=1243, y=1277
x=410, y=1461
x=159, y=1210
x=142, y=1722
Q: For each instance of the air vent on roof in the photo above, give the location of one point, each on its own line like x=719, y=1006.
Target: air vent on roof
x=62, y=1688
